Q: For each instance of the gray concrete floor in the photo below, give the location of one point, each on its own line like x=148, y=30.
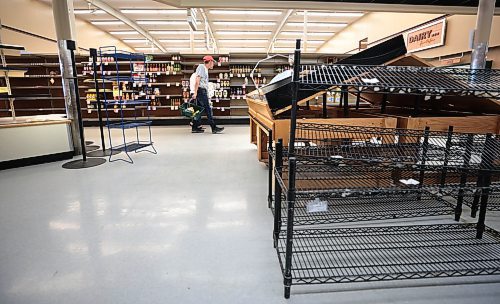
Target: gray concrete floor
x=189, y=225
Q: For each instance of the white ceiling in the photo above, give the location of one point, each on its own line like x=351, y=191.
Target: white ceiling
x=233, y=30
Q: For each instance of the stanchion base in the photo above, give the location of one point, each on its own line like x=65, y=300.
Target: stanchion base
x=92, y=147
x=88, y=142
x=100, y=153
x=80, y=164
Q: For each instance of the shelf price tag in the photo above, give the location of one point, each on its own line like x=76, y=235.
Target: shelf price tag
x=168, y=84
x=176, y=108
x=149, y=84
x=230, y=74
x=244, y=86
x=238, y=97
x=242, y=75
x=239, y=75
x=168, y=96
x=171, y=108
x=218, y=64
x=222, y=109
x=177, y=84
x=258, y=75
x=158, y=73
x=134, y=84
x=216, y=99
x=174, y=73
x=167, y=73
x=172, y=62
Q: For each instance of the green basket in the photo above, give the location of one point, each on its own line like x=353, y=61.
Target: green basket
x=191, y=110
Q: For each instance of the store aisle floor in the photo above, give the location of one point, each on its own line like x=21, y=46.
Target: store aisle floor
x=189, y=225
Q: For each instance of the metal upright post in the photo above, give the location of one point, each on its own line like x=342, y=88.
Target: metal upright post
x=358, y=97
x=486, y=162
x=83, y=163
x=384, y=104
x=277, y=192
x=346, y=101
x=325, y=112
x=104, y=151
x=295, y=95
x=270, y=166
x=446, y=155
x=482, y=33
x=289, y=226
x=425, y=148
x=463, y=177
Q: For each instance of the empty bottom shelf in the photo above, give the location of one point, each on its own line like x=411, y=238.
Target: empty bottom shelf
x=390, y=253
x=132, y=146
x=367, y=208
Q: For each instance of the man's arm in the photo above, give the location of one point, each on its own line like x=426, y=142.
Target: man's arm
x=196, y=85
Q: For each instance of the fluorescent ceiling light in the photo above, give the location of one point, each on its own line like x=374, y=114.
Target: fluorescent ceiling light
x=317, y=24
x=154, y=11
x=239, y=49
x=87, y=11
x=162, y=22
x=182, y=40
x=135, y=40
x=107, y=22
x=124, y=33
x=229, y=33
x=293, y=40
x=251, y=23
x=331, y=14
x=315, y=34
x=174, y=32
x=243, y=40
x=291, y=50
x=145, y=49
x=246, y=12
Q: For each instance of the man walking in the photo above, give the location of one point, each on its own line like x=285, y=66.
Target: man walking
x=201, y=95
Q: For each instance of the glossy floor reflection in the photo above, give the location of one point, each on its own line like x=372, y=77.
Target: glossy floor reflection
x=189, y=225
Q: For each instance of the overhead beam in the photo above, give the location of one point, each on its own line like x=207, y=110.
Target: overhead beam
x=326, y=5
x=120, y=16
x=209, y=28
x=278, y=29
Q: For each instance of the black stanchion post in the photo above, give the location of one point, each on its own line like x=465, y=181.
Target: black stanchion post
x=358, y=98
x=425, y=148
x=277, y=192
x=93, y=54
x=289, y=226
x=463, y=177
x=346, y=101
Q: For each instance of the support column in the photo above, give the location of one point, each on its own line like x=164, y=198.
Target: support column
x=64, y=21
x=482, y=32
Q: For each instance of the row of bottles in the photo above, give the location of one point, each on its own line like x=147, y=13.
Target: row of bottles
x=223, y=58
x=163, y=67
x=221, y=93
x=223, y=76
x=223, y=84
x=241, y=69
x=260, y=80
x=237, y=92
x=282, y=68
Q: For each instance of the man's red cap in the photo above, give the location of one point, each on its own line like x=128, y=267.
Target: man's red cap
x=208, y=58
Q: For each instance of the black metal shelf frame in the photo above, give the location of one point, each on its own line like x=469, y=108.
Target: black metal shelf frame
x=366, y=174
x=407, y=80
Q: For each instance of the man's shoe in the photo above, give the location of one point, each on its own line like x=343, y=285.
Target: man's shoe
x=199, y=130
x=216, y=130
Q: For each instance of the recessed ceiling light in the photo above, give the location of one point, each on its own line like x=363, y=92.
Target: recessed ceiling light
x=154, y=11
x=317, y=24
x=124, y=33
x=250, y=23
x=332, y=14
x=246, y=12
x=107, y=22
x=87, y=11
